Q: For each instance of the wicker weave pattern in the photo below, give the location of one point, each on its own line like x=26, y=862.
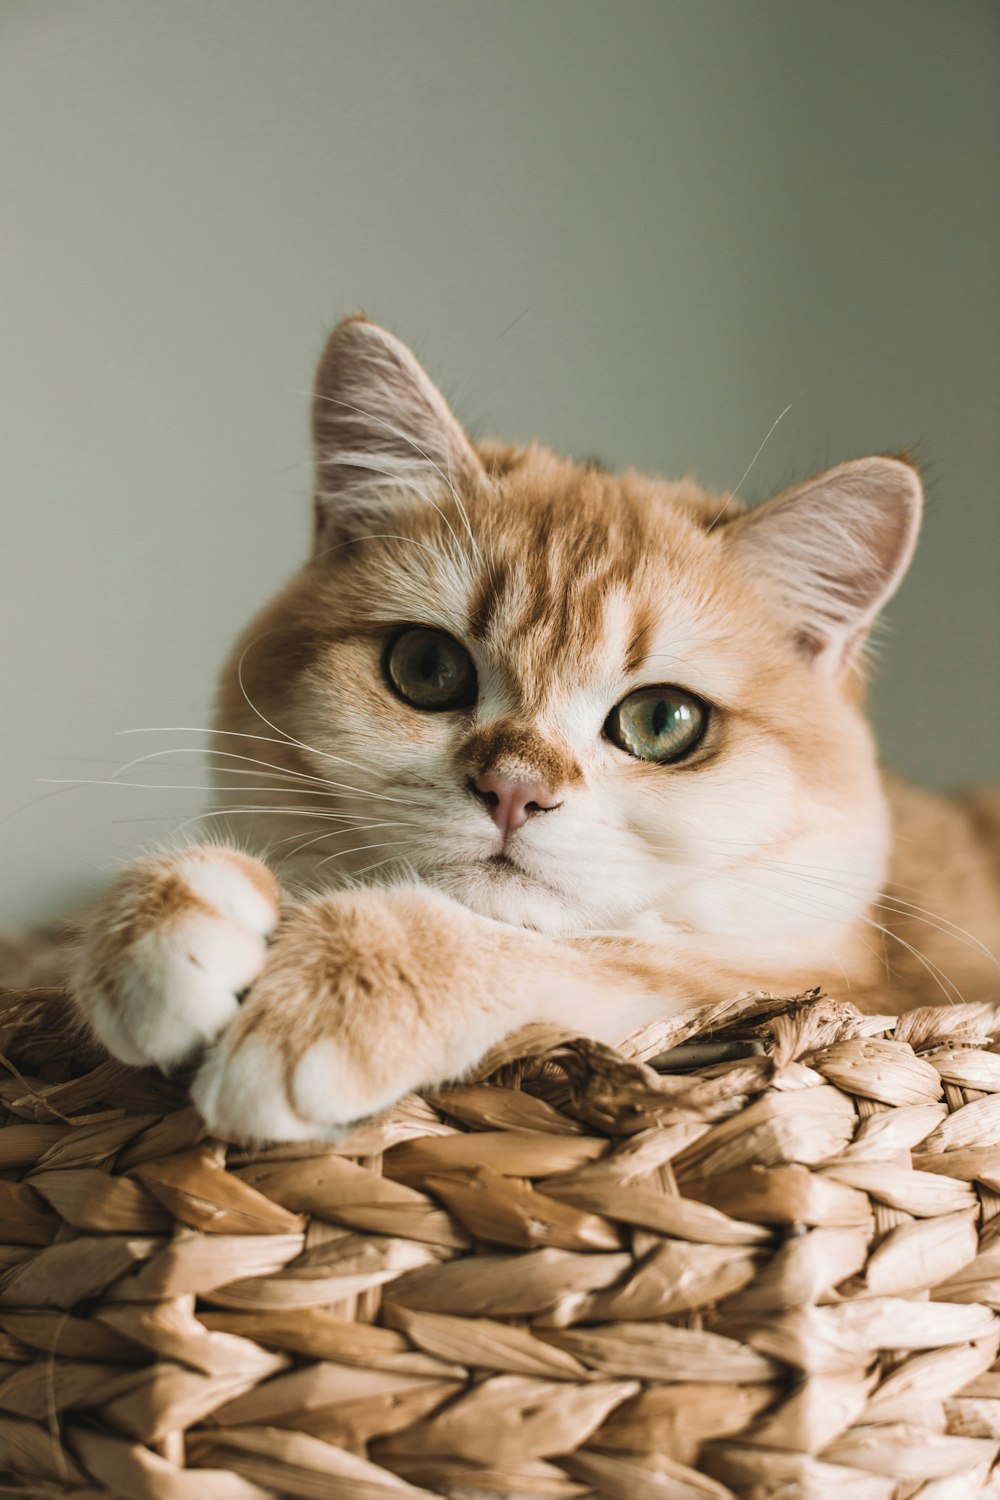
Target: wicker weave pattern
x=770, y=1275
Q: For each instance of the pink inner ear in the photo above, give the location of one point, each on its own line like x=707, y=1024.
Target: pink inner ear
x=834, y=550
x=382, y=431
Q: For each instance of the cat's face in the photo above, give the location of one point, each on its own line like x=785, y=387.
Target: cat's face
x=571, y=699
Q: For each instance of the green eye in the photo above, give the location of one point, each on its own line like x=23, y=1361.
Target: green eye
x=431, y=670
x=658, y=723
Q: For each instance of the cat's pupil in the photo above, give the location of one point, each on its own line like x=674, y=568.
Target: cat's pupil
x=432, y=668
x=661, y=716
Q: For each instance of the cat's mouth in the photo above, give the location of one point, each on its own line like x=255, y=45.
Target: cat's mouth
x=505, y=867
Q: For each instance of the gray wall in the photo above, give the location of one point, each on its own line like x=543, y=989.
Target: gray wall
x=634, y=229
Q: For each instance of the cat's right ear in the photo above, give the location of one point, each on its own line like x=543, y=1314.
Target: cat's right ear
x=383, y=433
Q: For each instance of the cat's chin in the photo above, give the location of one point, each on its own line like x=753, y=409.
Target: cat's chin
x=499, y=888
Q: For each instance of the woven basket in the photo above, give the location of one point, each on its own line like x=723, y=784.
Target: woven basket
x=768, y=1271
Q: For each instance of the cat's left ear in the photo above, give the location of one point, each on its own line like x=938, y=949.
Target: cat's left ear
x=834, y=550
x=383, y=434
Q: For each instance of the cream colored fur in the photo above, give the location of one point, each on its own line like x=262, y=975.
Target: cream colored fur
x=420, y=933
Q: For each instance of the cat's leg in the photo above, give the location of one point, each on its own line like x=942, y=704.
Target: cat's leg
x=368, y=994
x=165, y=956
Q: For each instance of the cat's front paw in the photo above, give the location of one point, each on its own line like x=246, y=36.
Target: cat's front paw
x=364, y=997
x=249, y=1090
x=167, y=954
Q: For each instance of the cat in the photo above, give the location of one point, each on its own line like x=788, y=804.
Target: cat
x=535, y=742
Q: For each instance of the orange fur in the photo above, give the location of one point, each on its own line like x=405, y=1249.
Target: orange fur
x=772, y=856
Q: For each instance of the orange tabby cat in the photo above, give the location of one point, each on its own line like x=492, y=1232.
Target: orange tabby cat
x=546, y=743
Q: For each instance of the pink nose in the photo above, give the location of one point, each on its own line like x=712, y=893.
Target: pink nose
x=511, y=803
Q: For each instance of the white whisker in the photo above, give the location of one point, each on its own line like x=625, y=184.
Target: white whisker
x=733, y=494
x=329, y=833
x=363, y=848
x=290, y=739
x=285, y=739
x=899, y=907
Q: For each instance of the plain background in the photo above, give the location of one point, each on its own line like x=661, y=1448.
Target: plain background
x=632, y=229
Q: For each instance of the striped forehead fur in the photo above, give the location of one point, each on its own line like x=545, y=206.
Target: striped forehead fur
x=547, y=554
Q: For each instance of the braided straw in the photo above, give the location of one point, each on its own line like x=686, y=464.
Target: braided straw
x=766, y=1267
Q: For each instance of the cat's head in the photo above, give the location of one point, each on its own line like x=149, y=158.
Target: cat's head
x=573, y=699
